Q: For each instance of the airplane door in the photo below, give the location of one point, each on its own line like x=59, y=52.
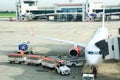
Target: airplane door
x=118, y=55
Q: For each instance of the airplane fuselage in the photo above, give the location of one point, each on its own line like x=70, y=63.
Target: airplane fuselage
x=92, y=52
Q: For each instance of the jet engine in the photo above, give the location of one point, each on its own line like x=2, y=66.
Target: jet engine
x=74, y=51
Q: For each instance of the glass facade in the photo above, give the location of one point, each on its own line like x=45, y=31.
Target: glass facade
x=40, y=11
x=62, y=14
x=66, y=14
x=30, y=3
x=107, y=10
x=69, y=10
x=69, y=17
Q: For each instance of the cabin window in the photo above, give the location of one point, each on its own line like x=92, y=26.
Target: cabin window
x=96, y=52
x=90, y=52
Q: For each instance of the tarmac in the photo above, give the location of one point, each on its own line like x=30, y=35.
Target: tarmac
x=13, y=32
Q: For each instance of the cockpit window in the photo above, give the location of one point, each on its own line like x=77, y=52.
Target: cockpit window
x=91, y=52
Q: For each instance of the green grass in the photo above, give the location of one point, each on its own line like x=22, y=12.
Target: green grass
x=7, y=15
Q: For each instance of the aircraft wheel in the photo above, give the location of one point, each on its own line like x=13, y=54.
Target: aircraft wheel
x=56, y=71
x=44, y=66
x=36, y=64
x=20, y=62
x=28, y=63
x=10, y=62
x=61, y=73
x=73, y=65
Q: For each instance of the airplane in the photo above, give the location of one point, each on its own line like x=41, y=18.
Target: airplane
x=95, y=50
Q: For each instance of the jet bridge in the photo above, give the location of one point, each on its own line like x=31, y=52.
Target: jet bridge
x=110, y=48
x=114, y=48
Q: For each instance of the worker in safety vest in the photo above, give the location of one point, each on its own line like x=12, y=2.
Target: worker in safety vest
x=22, y=53
x=31, y=51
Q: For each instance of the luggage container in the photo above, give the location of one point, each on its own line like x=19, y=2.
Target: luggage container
x=48, y=62
x=16, y=58
x=33, y=59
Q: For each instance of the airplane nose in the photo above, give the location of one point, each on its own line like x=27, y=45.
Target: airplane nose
x=93, y=59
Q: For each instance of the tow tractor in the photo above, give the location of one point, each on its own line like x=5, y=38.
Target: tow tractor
x=16, y=58
x=34, y=59
x=61, y=68
x=58, y=65
x=88, y=77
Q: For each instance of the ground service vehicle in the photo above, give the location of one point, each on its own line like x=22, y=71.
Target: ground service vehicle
x=23, y=46
x=74, y=62
x=58, y=65
x=87, y=72
x=88, y=77
x=33, y=59
x=16, y=58
x=48, y=62
x=61, y=68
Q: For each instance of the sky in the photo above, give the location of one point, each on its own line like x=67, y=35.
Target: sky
x=10, y=4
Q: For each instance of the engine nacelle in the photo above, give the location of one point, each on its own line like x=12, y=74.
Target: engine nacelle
x=75, y=51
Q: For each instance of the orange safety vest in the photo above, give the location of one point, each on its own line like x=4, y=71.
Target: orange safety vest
x=22, y=53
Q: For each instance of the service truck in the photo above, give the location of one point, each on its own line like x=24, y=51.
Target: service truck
x=16, y=58
x=24, y=46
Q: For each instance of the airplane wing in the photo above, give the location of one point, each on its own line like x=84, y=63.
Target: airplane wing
x=63, y=41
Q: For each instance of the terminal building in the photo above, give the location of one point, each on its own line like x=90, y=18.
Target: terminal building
x=29, y=10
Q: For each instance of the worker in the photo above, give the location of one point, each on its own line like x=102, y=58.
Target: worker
x=59, y=56
x=22, y=53
x=94, y=72
x=31, y=51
